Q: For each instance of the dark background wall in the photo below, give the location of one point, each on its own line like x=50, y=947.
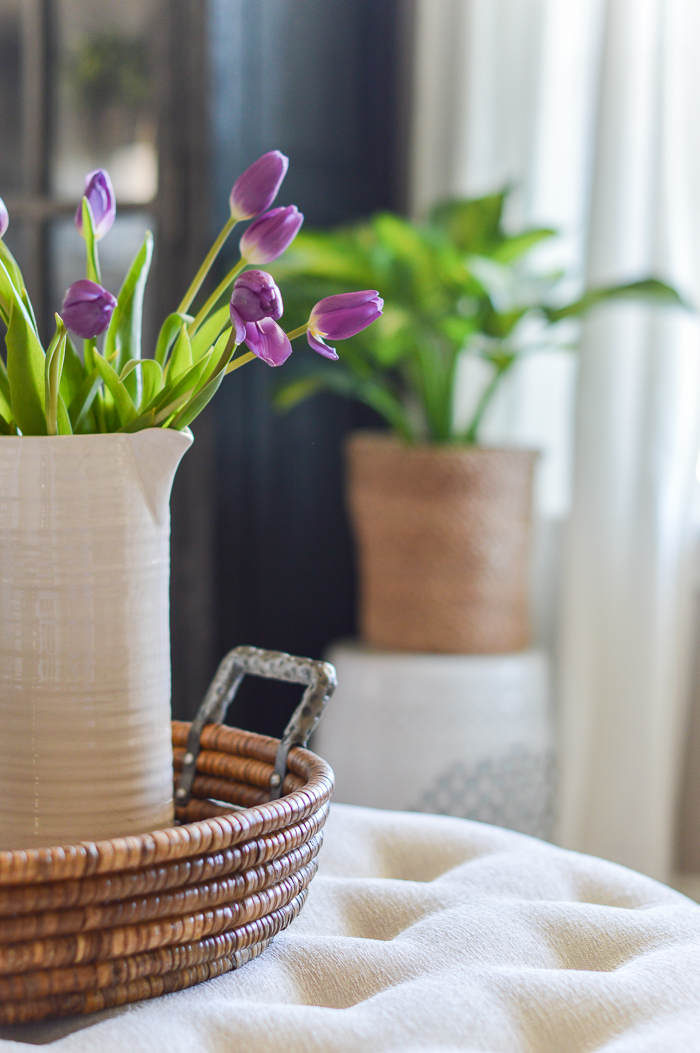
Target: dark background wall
x=261, y=546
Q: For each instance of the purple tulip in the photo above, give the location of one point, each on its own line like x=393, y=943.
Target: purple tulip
x=268, y=341
x=4, y=217
x=270, y=234
x=255, y=296
x=87, y=309
x=99, y=192
x=341, y=316
x=255, y=190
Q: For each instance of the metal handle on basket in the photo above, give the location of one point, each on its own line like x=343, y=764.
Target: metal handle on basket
x=273, y=665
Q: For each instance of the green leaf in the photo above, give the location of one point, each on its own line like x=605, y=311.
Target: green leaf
x=126, y=410
x=181, y=356
x=151, y=376
x=649, y=290
x=297, y=391
x=92, y=270
x=175, y=387
x=124, y=332
x=344, y=383
x=327, y=255
x=499, y=324
x=209, y=332
x=198, y=402
x=216, y=362
x=213, y=358
x=17, y=280
x=172, y=407
x=53, y=367
x=512, y=248
x=5, y=396
x=473, y=225
x=457, y=329
x=79, y=406
x=73, y=374
x=144, y=420
x=64, y=422
x=25, y=369
x=168, y=331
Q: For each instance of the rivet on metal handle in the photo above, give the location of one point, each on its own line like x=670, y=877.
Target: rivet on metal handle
x=273, y=665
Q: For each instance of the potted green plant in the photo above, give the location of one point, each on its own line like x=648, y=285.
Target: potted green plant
x=90, y=438
x=442, y=522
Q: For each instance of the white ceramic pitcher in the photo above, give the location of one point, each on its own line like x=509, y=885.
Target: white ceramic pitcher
x=85, y=741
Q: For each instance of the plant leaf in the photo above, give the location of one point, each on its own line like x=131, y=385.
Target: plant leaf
x=5, y=396
x=198, y=402
x=209, y=332
x=151, y=377
x=126, y=410
x=168, y=331
x=650, y=290
x=25, y=369
x=53, y=367
x=344, y=383
x=473, y=225
x=144, y=420
x=181, y=355
x=17, y=280
x=73, y=374
x=92, y=269
x=124, y=332
x=511, y=248
x=80, y=404
x=216, y=362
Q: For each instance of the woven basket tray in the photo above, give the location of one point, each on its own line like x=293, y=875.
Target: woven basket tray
x=88, y=926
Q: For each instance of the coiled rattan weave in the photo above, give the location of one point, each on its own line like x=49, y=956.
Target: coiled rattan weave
x=89, y=926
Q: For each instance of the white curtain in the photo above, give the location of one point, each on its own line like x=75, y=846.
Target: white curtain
x=591, y=108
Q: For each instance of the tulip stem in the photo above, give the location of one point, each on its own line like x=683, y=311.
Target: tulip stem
x=206, y=264
x=248, y=357
x=298, y=332
x=218, y=292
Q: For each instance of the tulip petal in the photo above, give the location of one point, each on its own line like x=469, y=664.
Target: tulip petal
x=344, y=300
x=268, y=341
x=269, y=235
x=238, y=324
x=256, y=189
x=100, y=194
x=255, y=296
x=317, y=344
x=4, y=217
x=87, y=309
x=345, y=314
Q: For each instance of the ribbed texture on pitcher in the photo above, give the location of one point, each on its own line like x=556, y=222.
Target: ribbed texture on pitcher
x=84, y=636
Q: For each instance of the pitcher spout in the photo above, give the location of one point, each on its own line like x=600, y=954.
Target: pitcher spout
x=156, y=453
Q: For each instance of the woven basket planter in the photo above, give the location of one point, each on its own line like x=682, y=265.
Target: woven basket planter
x=89, y=926
x=443, y=537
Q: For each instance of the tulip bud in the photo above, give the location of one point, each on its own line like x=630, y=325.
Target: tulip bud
x=87, y=309
x=255, y=296
x=341, y=316
x=255, y=190
x=269, y=235
x=4, y=217
x=268, y=341
x=99, y=192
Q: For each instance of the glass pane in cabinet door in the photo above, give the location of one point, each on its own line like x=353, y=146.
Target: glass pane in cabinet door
x=10, y=97
x=117, y=250
x=105, y=114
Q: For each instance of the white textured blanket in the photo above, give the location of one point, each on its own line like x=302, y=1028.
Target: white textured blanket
x=430, y=933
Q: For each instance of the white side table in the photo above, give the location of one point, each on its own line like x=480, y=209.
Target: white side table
x=464, y=735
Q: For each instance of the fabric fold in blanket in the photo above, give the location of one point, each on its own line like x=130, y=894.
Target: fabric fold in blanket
x=432, y=933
